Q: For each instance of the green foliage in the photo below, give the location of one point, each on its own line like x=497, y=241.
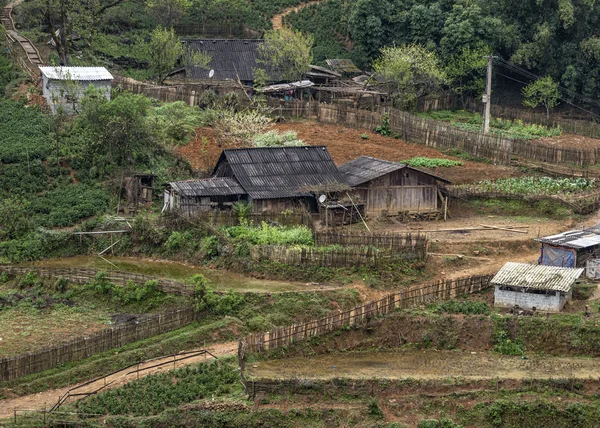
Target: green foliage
x=466, y=71
x=374, y=409
x=364, y=136
x=384, y=129
x=431, y=162
x=501, y=337
x=412, y=72
x=583, y=291
x=467, y=156
x=164, y=390
x=287, y=52
x=543, y=91
x=175, y=123
x=442, y=423
x=206, y=298
x=211, y=247
x=148, y=293
x=167, y=12
x=24, y=133
x=276, y=139
x=164, y=49
x=272, y=235
x=242, y=210
x=537, y=185
x=15, y=219
x=466, y=307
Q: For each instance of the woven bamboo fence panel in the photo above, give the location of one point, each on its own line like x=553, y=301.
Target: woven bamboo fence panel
x=86, y=275
x=340, y=257
x=409, y=297
x=83, y=347
x=392, y=241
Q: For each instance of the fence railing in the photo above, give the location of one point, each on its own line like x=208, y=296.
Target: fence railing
x=392, y=241
x=84, y=347
x=339, y=257
x=405, y=298
x=85, y=275
x=580, y=203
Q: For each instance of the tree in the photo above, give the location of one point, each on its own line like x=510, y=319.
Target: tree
x=466, y=71
x=165, y=49
x=544, y=91
x=287, y=53
x=369, y=24
x=168, y=12
x=411, y=71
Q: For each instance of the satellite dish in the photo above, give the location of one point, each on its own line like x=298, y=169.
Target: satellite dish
x=211, y=73
x=322, y=199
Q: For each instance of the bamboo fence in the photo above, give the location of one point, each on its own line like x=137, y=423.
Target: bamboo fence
x=83, y=347
x=86, y=275
x=392, y=241
x=340, y=257
x=411, y=296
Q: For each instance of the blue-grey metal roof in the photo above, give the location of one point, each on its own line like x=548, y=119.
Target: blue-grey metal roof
x=577, y=239
x=76, y=73
x=539, y=277
x=366, y=168
x=280, y=172
x=208, y=187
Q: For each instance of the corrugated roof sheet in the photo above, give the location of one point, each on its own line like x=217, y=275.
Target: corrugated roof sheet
x=281, y=172
x=76, y=73
x=343, y=65
x=208, y=187
x=366, y=168
x=577, y=239
x=229, y=58
x=539, y=277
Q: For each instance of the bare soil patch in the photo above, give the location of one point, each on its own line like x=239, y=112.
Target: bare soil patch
x=428, y=364
x=346, y=144
x=570, y=141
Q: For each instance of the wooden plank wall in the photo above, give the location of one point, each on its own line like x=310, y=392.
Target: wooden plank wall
x=409, y=297
x=83, y=347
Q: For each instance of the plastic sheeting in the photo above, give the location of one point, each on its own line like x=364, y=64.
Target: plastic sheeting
x=554, y=256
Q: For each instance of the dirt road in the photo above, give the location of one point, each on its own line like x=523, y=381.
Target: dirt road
x=429, y=364
x=47, y=399
x=277, y=20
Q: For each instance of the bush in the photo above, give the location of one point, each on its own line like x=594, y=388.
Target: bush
x=210, y=247
x=462, y=307
x=207, y=299
x=272, y=235
x=275, y=139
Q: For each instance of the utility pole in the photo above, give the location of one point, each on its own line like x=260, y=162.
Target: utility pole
x=488, y=97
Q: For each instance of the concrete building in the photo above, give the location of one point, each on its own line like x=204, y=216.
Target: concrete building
x=64, y=86
x=545, y=288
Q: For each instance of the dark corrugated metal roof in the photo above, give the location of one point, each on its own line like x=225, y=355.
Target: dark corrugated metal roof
x=366, y=168
x=208, y=187
x=229, y=58
x=539, y=277
x=281, y=172
x=343, y=65
x=577, y=239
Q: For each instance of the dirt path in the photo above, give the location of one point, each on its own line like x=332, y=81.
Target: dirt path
x=277, y=20
x=429, y=364
x=47, y=399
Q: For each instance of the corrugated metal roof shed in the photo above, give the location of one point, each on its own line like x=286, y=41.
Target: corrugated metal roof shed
x=539, y=277
x=281, y=172
x=208, y=187
x=228, y=58
x=577, y=239
x=366, y=168
x=76, y=73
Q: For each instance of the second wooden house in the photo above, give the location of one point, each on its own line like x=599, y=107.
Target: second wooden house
x=391, y=188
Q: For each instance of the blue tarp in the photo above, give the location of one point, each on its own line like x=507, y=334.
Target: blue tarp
x=555, y=256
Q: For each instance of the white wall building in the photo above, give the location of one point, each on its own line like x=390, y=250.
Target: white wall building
x=64, y=86
x=546, y=288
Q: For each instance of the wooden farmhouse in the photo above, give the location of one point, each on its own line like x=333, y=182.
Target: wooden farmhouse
x=273, y=179
x=64, y=86
x=391, y=188
x=544, y=288
x=570, y=249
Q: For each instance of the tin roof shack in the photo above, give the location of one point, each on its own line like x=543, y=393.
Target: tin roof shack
x=569, y=249
x=64, y=86
x=545, y=288
x=277, y=179
x=391, y=188
x=192, y=197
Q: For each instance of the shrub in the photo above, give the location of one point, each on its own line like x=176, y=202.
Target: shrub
x=272, y=235
x=419, y=161
x=275, y=139
x=462, y=307
x=210, y=247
